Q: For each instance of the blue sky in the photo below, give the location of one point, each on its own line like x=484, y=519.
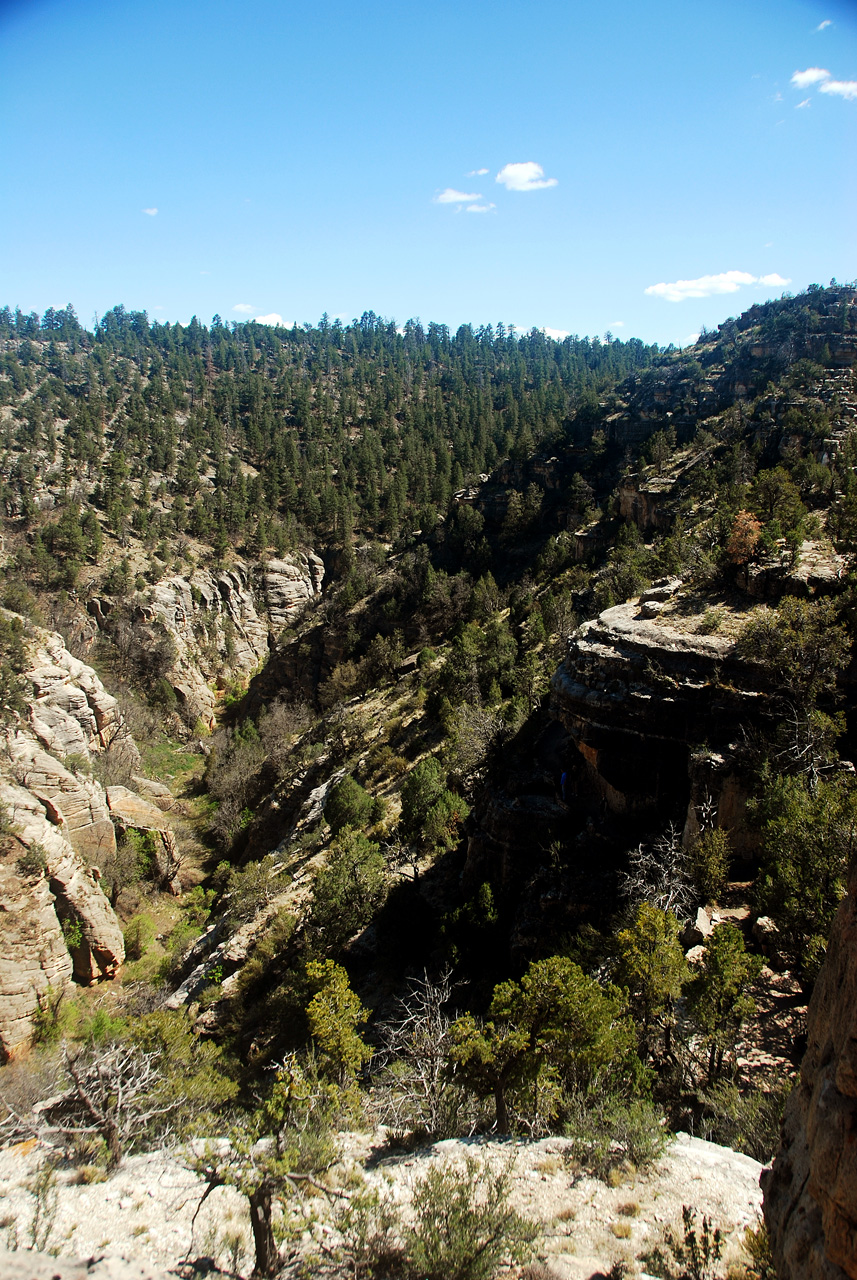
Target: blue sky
x=645, y=168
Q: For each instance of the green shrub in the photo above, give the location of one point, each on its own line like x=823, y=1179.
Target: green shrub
x=697, y=1250
x=709, y=863
x=369, y=1225
x=748, y=1122
x=139, y=936
x=464, y=1226
x=72, y=931
x=348, y=805
x=33, y=861
x=609, y=1132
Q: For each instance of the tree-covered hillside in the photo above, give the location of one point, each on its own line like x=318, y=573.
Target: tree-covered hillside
x=337, y=576
x=250, y=436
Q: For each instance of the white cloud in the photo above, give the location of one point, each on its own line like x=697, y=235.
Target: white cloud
x=821, y=26
x=151, y=212
x=476, y=173
x=812, y=75
x=806, y=102
x=842, y=88
x=526, y=176
x=274, y=319
x=451, y=196
x=480, y=208
x=690, y=339
x=617, y=324
x=244, y=308
x=707, y=286
x=556, y=334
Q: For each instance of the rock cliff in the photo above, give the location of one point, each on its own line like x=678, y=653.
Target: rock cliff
x=811, y=1190
x=639, y=690
x=56, y=922
x=61, y=825
x=220, y=620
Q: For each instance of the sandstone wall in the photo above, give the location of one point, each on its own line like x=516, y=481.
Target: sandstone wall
x=34, y=955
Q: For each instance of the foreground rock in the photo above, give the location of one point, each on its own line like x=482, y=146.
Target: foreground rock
x=145, y=1212
x=811, y=1190
x=28, y=1265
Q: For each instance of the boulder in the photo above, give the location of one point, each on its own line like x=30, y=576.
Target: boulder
x=697, y=930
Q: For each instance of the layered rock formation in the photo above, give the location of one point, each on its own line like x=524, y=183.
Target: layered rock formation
x=70, y=711
x=218, y=620
x=131, y=812
x=45, y=885
x=811, y=1190
x=57, y=924
x=639, y=689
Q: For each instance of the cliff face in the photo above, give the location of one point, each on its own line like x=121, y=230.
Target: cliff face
x=217, y=621
x=37, y=897
x=811, y=1190
x=56, y=925
x=639, y=694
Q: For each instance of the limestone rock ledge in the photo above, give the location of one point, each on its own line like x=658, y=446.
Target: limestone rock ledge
x=811, y=1189
x=70, y=712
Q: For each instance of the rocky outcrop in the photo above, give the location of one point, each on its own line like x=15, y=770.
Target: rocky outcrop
x=45, y=885
x=811, y=1190
x=637, y=692
x=57, y=924
x=153, y=1210
x=220, y=621
x=131, y=812
x=287, y=585
x=34, y=959
x=70, y=711
x=75, y=802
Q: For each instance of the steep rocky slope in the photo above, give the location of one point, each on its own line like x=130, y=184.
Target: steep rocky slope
x=216, y=623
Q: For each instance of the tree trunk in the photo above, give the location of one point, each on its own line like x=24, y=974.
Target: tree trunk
x=267, y=1256
x=110, y=1133
x=502, y=1112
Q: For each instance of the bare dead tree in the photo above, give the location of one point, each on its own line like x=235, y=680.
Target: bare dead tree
x=659, y=873
x=116, y=1094
x=412, y=1088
